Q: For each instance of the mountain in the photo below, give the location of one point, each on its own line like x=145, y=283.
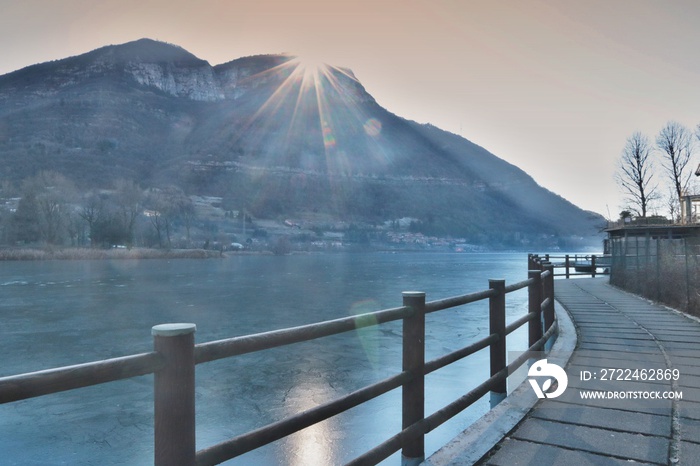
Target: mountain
x=270, y=135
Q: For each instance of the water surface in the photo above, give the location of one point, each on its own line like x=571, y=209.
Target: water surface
x=68, y=312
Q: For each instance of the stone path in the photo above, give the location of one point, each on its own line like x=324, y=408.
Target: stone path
x=618, y=333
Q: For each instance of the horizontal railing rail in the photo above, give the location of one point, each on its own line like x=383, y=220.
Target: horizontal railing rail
x=175, y=356
x=455, y=301
x=46, y=382
x=211, y=351
x=588, y=265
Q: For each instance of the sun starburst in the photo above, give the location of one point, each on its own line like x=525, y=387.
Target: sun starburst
x=309, y=65
x=311, y=89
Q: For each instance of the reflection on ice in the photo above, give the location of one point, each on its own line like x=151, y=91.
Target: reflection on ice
x=313, y=444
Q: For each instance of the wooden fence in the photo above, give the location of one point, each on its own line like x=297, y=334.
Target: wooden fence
x=577, y=264
x=175, y=356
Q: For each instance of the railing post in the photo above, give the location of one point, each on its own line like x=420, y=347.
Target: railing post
x=497, y=325
x=174, y=395
x=567, y=265
x=548, y=290
x=593, y=266
x=413, y=393
x=534, y=292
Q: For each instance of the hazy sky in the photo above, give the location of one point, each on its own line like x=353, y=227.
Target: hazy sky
x=553, y=86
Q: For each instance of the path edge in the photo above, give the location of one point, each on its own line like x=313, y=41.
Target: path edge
x=480, y=437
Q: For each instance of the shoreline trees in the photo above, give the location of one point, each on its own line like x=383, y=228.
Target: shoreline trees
x=50, y=211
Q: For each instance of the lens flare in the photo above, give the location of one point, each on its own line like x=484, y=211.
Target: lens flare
x=367, y=331
x=314, y=106
x=373, y=127
x=328, y=138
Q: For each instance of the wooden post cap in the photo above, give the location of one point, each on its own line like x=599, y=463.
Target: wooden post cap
x=172, y=330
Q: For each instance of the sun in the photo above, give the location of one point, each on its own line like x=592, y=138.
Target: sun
x=310, y=61
x=309, y=64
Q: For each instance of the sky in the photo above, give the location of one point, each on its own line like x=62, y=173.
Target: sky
x=554, y=87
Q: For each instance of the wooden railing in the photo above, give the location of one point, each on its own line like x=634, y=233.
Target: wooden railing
x=175, y=356
x=577, y=264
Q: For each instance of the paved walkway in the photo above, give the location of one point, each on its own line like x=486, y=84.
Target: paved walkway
x=618, y=334
x=616, y=330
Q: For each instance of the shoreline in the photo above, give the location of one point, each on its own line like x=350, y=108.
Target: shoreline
x=31, y=254
x=136, y=253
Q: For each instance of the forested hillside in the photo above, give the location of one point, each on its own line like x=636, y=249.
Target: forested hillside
x=259, y=139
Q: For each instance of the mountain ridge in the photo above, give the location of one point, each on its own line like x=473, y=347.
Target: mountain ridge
x=268, y=136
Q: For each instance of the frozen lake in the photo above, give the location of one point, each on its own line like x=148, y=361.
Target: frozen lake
x=69, y=312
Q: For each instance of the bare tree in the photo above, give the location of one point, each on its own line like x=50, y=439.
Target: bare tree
x=92, y=212
x=187, y=214
x=675, y=143
x=673, y=205
x=129, y=200
x=697, y=135
x=635, y=174
x=167, y=205
x=47, y=199
x=25, y=221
